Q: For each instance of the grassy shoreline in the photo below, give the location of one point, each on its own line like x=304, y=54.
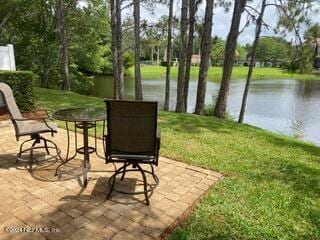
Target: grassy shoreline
x=271, y=188
x=214, y=74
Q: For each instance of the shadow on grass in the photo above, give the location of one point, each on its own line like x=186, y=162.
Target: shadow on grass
x=192, y=124
x=303, y=179
x=290, y=143
x=55, y=99
x=189, y=123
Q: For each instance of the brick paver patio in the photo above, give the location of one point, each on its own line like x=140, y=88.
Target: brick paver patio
x=64, y=210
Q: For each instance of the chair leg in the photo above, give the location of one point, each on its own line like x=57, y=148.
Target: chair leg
x=37, y=140
x=31, y=155
x=21, y=148
x=113, y=179
x=124, y=171
x=112, y=186
x=58, y=151
x=46, y=145
x=145, y=186
x=153, y=174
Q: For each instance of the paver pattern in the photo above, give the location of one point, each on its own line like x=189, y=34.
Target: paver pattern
x=59, y=208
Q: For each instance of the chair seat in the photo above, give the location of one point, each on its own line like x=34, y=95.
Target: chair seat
x=35, y=127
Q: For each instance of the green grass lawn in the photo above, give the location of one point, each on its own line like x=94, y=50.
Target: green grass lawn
x=159, y=72
x=271, y=188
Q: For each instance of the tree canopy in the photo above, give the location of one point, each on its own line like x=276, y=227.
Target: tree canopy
x=273, y=49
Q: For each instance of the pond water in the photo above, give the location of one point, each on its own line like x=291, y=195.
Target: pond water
x=287, y=106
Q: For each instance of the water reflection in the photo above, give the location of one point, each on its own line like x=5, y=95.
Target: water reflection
x=282, y=105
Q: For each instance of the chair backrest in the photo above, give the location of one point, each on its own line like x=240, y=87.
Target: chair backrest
x=11, y=105
x=132, y=127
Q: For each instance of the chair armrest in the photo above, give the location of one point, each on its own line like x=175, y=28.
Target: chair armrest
x=29, y=119
x=35, y=119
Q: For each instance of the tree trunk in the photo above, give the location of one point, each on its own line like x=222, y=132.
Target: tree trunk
x=114, y=49
x=3, y=23
x=137, y=71
x=182, y=62
x=4, y=20
x=158, y=54
x=45, y=78
x=192, y=15
x=229, y=56
x=63, y=45
x=152, y=47
x=120, y=53
x=169, y=57
x=205, y=57
x=251, y=65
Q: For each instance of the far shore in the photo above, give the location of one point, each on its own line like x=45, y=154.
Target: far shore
x=214, y=74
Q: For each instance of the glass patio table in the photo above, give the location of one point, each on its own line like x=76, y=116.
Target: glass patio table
x=83, y=118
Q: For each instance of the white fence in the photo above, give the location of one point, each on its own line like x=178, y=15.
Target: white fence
x=7, y=61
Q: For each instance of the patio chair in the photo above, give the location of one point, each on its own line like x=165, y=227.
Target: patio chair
x=33, y=127
x=133, y=140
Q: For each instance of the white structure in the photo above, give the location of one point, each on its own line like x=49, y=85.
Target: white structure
x=7, y=61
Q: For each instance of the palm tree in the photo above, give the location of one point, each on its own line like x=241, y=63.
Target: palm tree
x=312, y=37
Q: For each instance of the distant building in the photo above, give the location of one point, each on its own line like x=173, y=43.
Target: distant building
x=195, y=59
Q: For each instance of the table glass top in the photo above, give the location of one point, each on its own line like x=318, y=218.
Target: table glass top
x=89, y=114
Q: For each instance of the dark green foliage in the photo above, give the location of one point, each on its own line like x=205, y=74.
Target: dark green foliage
x=165, y=63
x=22, y=84
x=31, y=27
x=82, y=84
x=218, y=48
x=302, y=62
x=273, y=50
x=128, y=60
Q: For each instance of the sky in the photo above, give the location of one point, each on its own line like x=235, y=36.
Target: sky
x=222, y=20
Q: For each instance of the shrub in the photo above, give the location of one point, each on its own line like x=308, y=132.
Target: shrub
x=208, y=111
x=128, y=60
x=82, y=84
x=21, y=83
x=164, y=63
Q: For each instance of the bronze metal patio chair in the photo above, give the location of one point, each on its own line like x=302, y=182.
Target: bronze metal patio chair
x=33, y=127
x=133, y=140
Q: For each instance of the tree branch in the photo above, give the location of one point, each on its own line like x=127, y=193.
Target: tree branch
x=128, y=48
x=127, y=6
x=4, y=21
x=282, y=8
x=124, y=31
